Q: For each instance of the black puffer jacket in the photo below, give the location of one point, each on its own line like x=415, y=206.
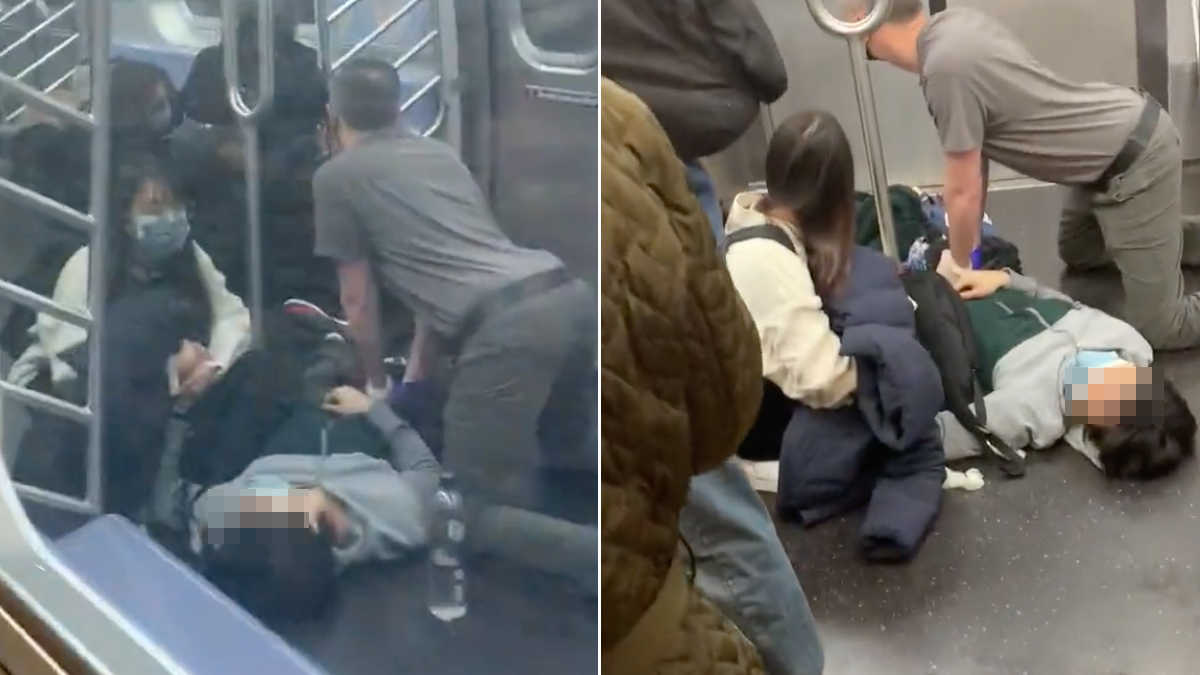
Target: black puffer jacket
x=702, y=66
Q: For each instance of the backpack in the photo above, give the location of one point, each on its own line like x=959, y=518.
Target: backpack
x=765, y=438
x=944, y=329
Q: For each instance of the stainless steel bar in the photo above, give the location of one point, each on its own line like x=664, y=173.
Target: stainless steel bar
x=254, y=207
x=266, y=66
x=324, y=35
x=46, y=206
x=418, y=94
x=437, y=122
x=379, y=30
x=342, y=9
x=43, y=305
x=101, y=44
x=831, y=24
x=34, y=98
x=249, y=122
x=412, y=51
x=15, y=10
x=865, y=95
x=450, y=115
x=53, y=86
x=53, y=499
x=855, y=34
x=33, y=32
x=47, y=56
x=49, y=404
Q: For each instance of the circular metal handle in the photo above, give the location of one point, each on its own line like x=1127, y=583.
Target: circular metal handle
x=835, y=26
x=266, y=58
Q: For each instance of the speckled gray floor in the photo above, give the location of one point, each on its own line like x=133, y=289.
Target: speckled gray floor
x=1059, y=573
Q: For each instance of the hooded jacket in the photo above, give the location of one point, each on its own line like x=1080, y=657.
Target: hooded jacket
x=680, y=374
x=1027, y=351
x=703, y=66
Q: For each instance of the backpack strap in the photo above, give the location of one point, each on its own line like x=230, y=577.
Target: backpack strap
x=771, y=232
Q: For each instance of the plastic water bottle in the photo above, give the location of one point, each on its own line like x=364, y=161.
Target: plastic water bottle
x=447, y=578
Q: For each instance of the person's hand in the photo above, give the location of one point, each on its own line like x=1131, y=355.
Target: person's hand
x=347, y=401
x=948, y=268
x=195, y=368
x=380, y=393
x=201, y=378
x=975, y=284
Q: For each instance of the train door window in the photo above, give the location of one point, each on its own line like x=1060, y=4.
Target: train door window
x=561, y=26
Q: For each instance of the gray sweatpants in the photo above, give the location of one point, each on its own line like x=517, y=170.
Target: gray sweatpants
x=1137, y=224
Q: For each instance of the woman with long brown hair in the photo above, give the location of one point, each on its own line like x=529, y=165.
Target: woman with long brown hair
x=810, y=198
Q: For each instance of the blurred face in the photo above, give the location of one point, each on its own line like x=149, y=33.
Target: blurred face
x=280, y=506
x=159, y=111
x=1110, y=394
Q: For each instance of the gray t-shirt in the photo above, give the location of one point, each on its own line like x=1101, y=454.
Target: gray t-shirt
x=986, y=91
x=413, y=209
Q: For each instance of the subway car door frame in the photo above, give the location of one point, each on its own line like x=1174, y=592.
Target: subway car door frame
x=543, y=134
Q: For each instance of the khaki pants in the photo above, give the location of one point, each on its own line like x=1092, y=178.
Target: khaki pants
x=1137, y=224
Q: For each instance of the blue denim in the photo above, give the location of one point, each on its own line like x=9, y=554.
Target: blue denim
x=742, y=568
x=701, y=186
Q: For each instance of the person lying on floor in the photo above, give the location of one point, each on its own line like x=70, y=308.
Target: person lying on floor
x=1055, y=370
x=275, y=537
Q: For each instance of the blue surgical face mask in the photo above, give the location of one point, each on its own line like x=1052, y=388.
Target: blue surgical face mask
x=159, y=118
x=161, y=235
x=268, y=486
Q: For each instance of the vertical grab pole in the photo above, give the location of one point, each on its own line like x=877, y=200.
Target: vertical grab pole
x=248, y=118
x=324, y=36
x=101, y=45
x=855, y=33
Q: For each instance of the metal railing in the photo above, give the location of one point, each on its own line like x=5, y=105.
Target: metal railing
x=94, y=225
x=325, y=19
x=40, y=53
x=249, y=116
x=855, y=33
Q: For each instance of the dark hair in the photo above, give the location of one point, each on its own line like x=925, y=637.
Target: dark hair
x=54, y=162
x=810, y=176
x=1152, y=442
x=286, y=23
x=366, y=94
x=134, y=84
x=130, y=172
x=275, y=573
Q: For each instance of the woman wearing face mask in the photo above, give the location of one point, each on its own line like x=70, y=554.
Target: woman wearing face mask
x=145, y=106
x=172, y=328
x=151, y=257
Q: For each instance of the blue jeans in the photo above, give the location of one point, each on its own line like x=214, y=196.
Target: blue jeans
x=701, y=186
x=743, y=569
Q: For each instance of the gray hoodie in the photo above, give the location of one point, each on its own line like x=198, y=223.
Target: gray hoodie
x=1027, y=408
x=386, y=502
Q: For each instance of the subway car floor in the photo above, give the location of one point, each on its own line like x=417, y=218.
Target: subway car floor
x=1058, y=573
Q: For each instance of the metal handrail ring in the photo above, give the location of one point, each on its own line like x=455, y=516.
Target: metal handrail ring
x=839, y=28
x=266, y=60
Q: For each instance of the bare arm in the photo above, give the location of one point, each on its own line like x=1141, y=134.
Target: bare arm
x=964, y=203
x=360, y=302
x=961, y=121
x=422, y=354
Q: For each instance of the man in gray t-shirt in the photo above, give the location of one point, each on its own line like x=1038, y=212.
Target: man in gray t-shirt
x=1113, y=149
x=405, y=213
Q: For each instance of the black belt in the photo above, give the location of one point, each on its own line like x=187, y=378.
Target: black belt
x=506, y=297
x=1139, y=138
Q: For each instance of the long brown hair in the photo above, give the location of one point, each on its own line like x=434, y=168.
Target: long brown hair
x=810, y=184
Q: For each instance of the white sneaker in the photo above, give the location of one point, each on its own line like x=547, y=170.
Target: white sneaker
x=763, y=476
